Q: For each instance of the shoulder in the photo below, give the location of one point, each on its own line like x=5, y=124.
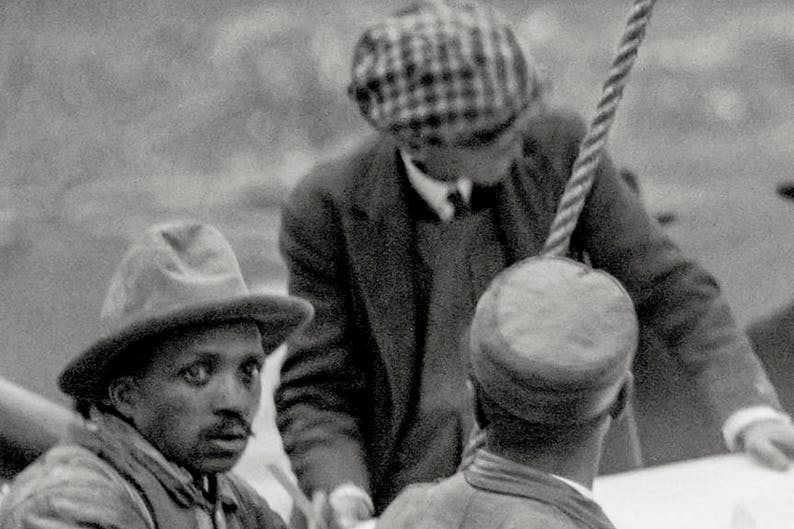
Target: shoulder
x=439, y=505
x=556, y=124
x=555, y=133
x=488, y=508
x=452, y=503
x=538, y=515
x=334, y=177
x=70, y=486
x=65, y=465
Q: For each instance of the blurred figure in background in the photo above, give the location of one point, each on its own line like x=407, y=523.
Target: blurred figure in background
x=31, y=425
x=394, y=242
x=552, y=343
x=168, y=393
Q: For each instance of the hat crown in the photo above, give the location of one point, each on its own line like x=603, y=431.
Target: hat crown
x=179, y=274
x=174, y=266
x=552, y=340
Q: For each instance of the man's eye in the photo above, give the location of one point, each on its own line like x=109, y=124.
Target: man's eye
x=196, y=374
x=251, y=370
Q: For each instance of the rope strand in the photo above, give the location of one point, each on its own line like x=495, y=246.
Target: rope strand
x=592, y=146
x=590, y=151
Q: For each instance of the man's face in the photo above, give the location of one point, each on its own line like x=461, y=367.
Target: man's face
x=484, y=163
x=197, y=399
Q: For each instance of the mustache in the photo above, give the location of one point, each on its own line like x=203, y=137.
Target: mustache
x=231, y=427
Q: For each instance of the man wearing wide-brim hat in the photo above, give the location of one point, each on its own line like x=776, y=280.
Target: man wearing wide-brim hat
x=168, y=393
x=395, y=241
x=552, y=342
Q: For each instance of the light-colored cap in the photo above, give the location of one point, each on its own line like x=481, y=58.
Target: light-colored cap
x=552, y=340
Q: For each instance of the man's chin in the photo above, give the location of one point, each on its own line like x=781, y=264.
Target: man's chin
x=215, y=461
x=491, y=179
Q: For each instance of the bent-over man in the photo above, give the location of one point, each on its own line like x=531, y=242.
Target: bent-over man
x=394, y=242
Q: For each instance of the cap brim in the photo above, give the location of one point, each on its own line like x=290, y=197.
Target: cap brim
x=277, y=317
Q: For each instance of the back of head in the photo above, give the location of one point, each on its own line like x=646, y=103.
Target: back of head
x=552, y=341
x=436, y=73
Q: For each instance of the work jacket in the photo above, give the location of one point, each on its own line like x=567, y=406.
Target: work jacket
x=108, y=476
x=494, y=493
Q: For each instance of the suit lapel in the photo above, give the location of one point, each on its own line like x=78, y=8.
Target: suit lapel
x=385, y=262
x=524, y=207
x=383, y=256
x=383, y=250
x=524, y=210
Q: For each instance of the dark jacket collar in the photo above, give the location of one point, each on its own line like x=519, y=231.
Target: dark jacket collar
x=379, y=189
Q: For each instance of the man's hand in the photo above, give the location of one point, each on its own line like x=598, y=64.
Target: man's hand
x=347, y=507
x=770, y=442
x=320, y=512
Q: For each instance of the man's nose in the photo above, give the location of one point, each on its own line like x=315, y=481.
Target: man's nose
x=232, y=394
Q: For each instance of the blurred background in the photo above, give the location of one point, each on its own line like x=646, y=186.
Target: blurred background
x=115, y=114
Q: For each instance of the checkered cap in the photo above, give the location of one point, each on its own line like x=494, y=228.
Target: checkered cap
x=434, y=74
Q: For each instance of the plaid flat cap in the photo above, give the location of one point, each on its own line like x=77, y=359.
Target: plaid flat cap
x=434, y=74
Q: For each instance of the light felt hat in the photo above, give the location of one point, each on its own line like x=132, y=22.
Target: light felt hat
x=552, y=340
x=178, y=274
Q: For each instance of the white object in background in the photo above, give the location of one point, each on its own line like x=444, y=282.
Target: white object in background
x=763, y=514
x=367, y=524
x=698, y=494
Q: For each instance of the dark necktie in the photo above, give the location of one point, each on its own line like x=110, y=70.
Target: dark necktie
x=460, y=204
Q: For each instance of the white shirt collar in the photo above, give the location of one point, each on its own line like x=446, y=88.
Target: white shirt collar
x=433, y=191
x=578, y=487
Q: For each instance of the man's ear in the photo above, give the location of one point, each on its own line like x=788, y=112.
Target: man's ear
x=626, y=390
x=475, y=393
x=122, y=392
x=416, y=152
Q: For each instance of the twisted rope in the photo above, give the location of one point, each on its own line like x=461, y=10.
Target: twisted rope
x=592, y=146
x=583, y=173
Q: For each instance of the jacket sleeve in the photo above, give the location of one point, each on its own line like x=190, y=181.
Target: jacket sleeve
x=675, y=298
x=322, y=385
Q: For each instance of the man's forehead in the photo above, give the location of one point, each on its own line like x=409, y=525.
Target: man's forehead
x=239, y=337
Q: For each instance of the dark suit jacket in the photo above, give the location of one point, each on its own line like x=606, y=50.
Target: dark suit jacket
x=349, y=247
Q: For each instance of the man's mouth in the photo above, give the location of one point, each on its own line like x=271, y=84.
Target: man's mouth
x=229, y=444
x=229, y=436
x=229, y=441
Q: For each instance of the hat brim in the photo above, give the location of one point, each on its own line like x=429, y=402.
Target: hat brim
x=277, y=317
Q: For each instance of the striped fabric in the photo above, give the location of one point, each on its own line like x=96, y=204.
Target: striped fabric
x=434, y=74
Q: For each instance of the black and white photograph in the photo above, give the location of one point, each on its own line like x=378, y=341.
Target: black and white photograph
x=396, y=264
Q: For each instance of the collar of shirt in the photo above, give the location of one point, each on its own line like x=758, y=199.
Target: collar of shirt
x=578, y=487
x=498, y=469
x=433, y=191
